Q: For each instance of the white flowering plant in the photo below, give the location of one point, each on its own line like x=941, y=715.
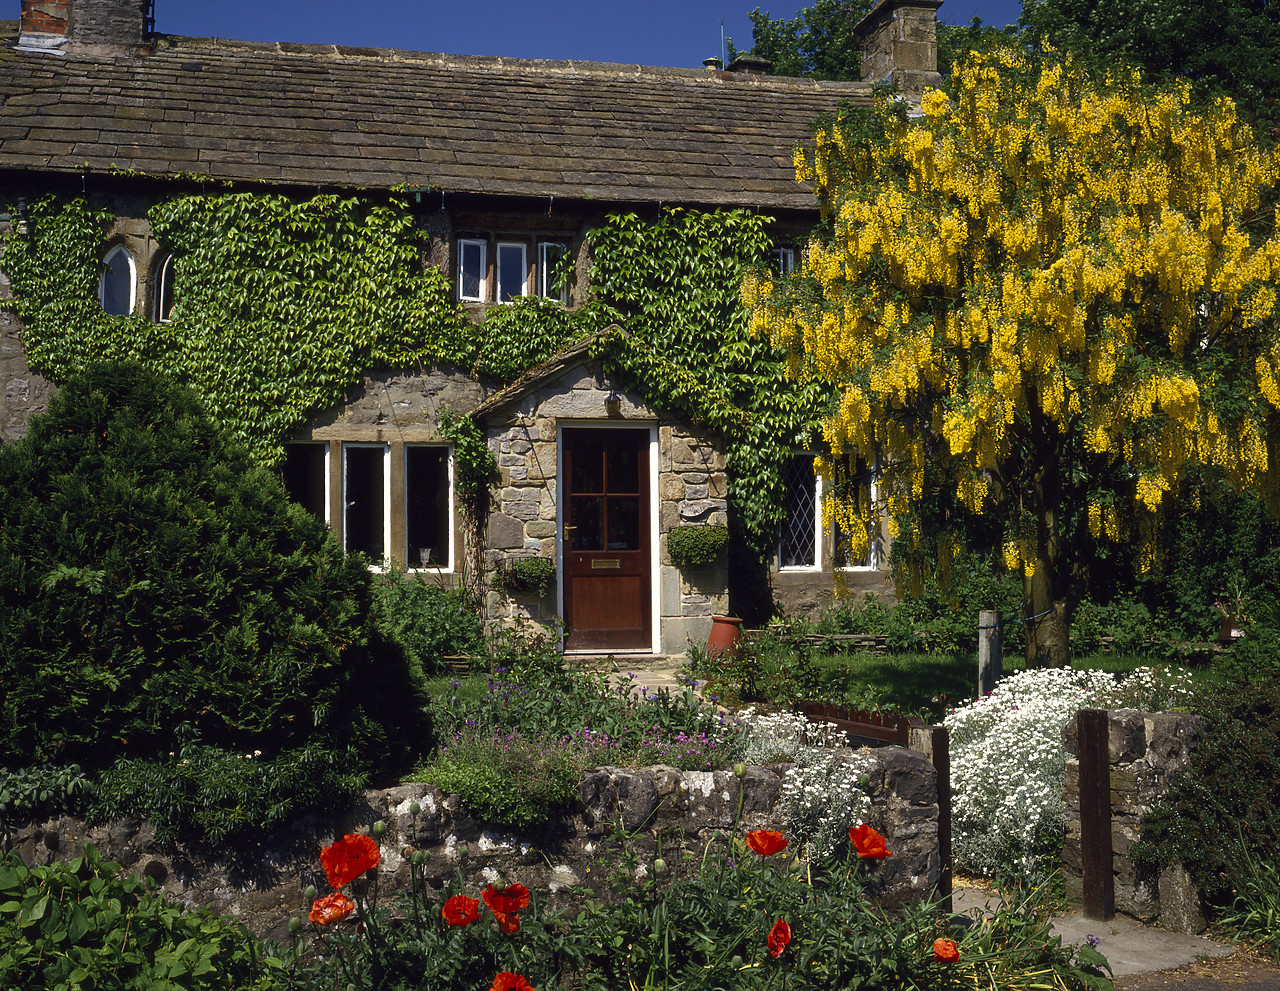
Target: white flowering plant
x=1007, y=760
x=822, y=793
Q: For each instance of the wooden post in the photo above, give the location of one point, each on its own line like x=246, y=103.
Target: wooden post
x=990, y=656
x=1092, y=727
x=935, y=743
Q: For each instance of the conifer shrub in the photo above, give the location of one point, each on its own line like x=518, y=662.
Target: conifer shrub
x=158, y=590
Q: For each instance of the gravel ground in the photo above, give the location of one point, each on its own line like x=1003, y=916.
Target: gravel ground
x=1242, y=971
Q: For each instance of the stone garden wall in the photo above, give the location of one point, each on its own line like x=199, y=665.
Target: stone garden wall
x=1148, y=752
x=618, y=810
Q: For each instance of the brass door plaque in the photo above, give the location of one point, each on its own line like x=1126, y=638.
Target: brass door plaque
x=605, y=563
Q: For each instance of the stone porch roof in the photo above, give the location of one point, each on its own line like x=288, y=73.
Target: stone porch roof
x=363, y=117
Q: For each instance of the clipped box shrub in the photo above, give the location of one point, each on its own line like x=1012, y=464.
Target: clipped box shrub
x=696, y=546
x=158, y=589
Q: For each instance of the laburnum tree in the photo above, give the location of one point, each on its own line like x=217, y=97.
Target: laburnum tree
x=1056, y=293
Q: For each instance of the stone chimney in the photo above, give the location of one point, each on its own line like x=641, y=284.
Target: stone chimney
x=900, y=45
x=746, y=62
x=95, y=27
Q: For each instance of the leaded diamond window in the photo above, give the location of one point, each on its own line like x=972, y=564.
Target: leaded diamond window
x=798, y=547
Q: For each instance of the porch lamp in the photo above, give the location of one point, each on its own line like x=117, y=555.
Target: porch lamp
x=613, y=403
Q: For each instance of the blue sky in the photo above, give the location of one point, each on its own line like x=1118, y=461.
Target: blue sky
x=649, y=32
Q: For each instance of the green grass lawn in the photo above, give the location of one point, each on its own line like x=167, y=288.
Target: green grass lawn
x=932, y=683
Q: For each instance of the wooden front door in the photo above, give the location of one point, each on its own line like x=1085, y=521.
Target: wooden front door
x=605, y=533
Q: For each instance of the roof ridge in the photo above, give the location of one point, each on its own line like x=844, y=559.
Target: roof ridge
x=180, y=44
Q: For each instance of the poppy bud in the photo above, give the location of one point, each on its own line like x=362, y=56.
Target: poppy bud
x=294, y=925
x=309, y=892
x=736, y=963
x=407, y=852
x=739, y=770
x=463, y=852
x=414, y=808
x=379, y=828
x=419, y=857
x=659, y=866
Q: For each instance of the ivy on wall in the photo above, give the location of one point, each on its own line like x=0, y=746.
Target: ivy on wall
x=282, y=305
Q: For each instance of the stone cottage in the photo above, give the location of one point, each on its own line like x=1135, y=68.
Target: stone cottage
x=509, y=164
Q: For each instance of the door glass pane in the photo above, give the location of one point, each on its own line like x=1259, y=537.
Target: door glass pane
x=362, y=514
x=624, y=464
x=624, y=523
x=586, y=473
x=426, y=506
x=586, y=517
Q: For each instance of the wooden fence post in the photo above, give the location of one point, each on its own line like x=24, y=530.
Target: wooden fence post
x=990, y=655
x=935, y=743
x=1092, y=729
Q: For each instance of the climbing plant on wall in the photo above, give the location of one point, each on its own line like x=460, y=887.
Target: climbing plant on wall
x=283, y=304
x=674, y=283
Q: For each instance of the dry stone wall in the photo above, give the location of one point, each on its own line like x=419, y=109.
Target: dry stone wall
x=618, y=810
x=1148, y=752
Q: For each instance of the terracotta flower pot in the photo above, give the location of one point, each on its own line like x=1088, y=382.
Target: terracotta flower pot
x=726, y=631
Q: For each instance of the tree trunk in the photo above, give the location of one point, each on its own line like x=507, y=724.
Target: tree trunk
x=1044, y=602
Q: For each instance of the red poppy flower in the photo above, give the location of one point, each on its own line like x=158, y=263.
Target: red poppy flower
x=868, y=842
x=505, y=905
x=945, y=951
x=507, y=981
x=348, y=858
x=766, y=842
x=779, y=937
x=331, y=908
x=461, y=910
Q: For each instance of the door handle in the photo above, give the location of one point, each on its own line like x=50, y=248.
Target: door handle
x=566, y=531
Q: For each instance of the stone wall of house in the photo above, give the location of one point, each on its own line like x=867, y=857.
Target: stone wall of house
x=1148, y=752
x=22, y=391
x=524, y=518
x=617, y=808
x=692, y=487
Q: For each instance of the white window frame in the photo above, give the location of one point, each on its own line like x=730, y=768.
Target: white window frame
x=108, y=265
x=164, y=272
x=545, y=288
x=412, y=560
x=784, y=260
x=386, y=498
x=505, y=247
x=817, y=526
x=483, y=247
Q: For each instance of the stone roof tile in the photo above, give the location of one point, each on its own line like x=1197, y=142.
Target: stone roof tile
x=338, y=115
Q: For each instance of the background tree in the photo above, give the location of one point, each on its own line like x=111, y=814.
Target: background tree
x=957, y=41
x=1052, y=289
x=818, y=42
x=1231, y=47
